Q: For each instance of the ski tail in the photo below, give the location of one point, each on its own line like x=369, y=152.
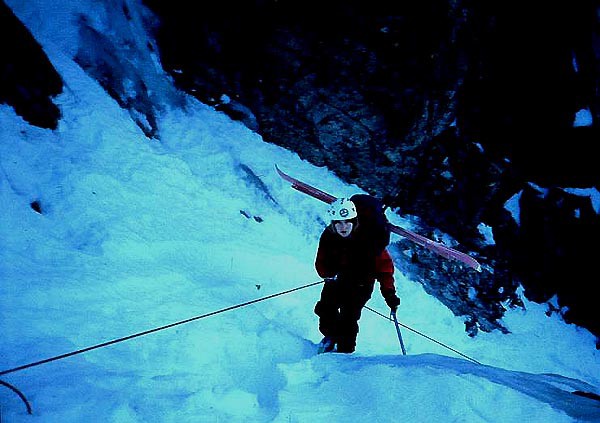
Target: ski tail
x=305, y=188
x=436, y=247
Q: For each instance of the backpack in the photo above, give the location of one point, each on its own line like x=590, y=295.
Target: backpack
x=373, y=222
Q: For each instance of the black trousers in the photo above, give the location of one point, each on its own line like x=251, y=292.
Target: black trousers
x=339, y=310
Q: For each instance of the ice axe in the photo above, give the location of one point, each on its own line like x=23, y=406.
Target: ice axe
x=393, y=314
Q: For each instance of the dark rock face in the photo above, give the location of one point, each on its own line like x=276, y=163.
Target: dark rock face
x=556, y=253
x=28, y=81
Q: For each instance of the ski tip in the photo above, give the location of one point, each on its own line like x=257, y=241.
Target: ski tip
x=278, y=170
x=473, y=264
x=282, y=174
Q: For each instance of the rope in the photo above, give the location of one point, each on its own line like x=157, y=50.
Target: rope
x=146, y=332
x=202, y=316
x=19, y=393
x=423, y=335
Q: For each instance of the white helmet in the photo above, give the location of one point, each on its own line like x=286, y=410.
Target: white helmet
x=342, y=209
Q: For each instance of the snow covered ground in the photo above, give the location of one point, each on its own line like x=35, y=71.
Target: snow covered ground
x=134, y=235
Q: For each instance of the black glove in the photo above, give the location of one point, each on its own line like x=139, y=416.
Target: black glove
x=391, y=300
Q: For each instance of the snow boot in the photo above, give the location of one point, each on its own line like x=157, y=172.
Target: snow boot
x=326, y=345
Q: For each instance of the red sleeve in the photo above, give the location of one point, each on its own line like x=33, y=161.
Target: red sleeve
x=385, y=271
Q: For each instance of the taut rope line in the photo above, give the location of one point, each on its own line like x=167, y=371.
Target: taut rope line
x=181, y=322
x=424, y=336
x=146, y=332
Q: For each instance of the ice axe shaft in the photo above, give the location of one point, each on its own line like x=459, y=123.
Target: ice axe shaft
x=393, y=313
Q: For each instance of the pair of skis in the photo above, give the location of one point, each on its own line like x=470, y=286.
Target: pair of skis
x=436, y=247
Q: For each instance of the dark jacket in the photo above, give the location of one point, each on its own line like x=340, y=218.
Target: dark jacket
x=354, y=259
